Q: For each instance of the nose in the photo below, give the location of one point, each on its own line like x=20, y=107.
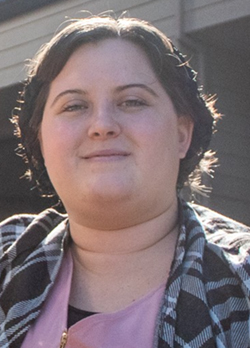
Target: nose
x=103, y=123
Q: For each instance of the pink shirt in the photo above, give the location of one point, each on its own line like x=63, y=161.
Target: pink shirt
x=132, y=327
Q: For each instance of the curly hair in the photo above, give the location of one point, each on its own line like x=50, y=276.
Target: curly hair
x=174, y=73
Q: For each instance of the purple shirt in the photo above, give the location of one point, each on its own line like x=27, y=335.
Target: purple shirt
x=131, y=327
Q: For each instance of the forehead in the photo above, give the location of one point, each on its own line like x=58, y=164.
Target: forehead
x=117, y=58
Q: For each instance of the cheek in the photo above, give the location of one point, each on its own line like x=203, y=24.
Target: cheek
x=159, y=146
x=163, y=138
x=55, y=143
x=58, y=137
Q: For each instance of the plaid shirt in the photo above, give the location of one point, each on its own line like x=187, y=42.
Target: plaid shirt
x=207, y=297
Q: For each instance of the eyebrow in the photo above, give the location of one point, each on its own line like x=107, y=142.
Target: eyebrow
x=137, y=85
x=67, y=91
x=118, y=89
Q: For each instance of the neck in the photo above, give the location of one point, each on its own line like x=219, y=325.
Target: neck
x=130, y=261
x=124, y=240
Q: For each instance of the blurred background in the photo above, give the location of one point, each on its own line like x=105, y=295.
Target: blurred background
x=215, y=36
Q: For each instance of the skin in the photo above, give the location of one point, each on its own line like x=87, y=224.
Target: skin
x=112, y=142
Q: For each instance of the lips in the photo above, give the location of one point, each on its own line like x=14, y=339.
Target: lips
x=112, y=153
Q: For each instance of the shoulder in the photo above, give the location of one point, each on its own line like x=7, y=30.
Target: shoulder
x=219, y=228
x=228, y=244
x=14, y=227
x=222, y=234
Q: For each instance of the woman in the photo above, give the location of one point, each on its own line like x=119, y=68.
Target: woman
x=112, y=121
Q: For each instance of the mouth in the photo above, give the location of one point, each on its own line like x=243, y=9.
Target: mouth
x=106, y=154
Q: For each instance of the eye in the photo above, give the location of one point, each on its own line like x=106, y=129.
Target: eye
x=74, y=107
x=133, y=103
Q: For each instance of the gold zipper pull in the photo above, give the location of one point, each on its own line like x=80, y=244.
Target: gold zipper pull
x=63, y=339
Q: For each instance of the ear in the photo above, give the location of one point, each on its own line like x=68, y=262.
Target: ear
x=185, y=132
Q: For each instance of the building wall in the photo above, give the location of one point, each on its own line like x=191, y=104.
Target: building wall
x=200, y=14
x=228, y=76
x=198, y=26
x=21, y=37
x=220, y=30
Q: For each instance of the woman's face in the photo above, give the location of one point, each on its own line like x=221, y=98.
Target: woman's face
x=110, y=136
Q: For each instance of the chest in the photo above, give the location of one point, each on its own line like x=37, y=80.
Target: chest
x=133, y=326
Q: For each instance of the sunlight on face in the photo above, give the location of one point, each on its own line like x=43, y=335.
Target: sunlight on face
x=110, y=134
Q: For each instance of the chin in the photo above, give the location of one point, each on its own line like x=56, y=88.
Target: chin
x=110, y=194
x=110, y=188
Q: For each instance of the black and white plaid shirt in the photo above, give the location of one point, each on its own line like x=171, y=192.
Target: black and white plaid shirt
x=207, y=297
